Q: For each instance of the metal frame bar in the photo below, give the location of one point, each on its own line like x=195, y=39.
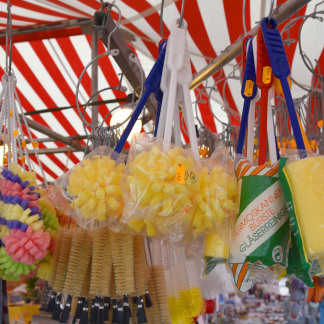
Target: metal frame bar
x=280, y=14
x=56, y=136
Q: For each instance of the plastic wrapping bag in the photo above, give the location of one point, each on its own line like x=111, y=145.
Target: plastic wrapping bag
x=259, y=248
x=303, y=184
x=217, y=199
x=182, y=269
x=93, y=188
x=159, y=189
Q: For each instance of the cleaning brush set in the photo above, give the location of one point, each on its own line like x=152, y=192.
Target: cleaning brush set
x=164, y=192
x=102, y=271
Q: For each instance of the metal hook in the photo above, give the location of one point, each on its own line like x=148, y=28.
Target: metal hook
x=182, y=12
x=116, y=27
x=270, y=12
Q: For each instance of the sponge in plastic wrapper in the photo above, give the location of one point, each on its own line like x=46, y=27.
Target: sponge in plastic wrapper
x=159, y=188
x=93, y=188
x=303, y=184
x=259, y=247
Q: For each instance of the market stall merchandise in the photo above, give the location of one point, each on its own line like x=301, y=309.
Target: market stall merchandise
x=150, y=217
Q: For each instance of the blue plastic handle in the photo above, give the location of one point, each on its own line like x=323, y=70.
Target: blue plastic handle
x=275, y=49
x=152, y=84
x=159, y=98
x=249, y=75
x=281, y=69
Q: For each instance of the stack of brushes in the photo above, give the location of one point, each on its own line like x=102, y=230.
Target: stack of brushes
x=103, y=277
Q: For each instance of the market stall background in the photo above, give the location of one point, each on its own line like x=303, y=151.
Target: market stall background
x=47, y=64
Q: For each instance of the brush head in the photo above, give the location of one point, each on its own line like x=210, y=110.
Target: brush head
x=140, y=266
x=101, y=265
x=56, y=254
x=122, y=250
x=159, y=312
x=63, y=258
x=79, y=259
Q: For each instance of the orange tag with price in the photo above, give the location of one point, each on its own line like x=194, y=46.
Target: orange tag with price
x=35, y=144
x=15, y=133
x=181, y=170
x=266, y=74
x=248, y=90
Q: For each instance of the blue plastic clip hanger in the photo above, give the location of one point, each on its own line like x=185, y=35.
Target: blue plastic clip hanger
x=248, y=92
x=281, y=70
x=152, y=84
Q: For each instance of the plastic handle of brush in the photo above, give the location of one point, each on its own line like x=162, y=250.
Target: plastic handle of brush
x=249, y=88
x=152, y=84
x=281, y=70
x=185, y=78
x=271, y=135
x=249, y=91
x=176, y=128
x=241, y=137
x=251, y=118
x=158, y=97
x=244, y=51
x=292, y=114
x=175, y=60
x=263, y=126
x=136, y=113
x=250, y=131
x=158, y=92
x=264, y=82
x=275, y=48
x=165, y=80
x=264, y=71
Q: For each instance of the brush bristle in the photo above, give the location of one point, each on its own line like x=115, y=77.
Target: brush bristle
x=63, y=259
x=101, y=266
x=159, y=312
x=85, y=291
x=58, y=241
x=122, y=250
x=79, y=259
x=140, y=266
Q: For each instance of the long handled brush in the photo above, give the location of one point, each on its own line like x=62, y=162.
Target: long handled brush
x=62, y=265
x=79, y=259
x=122, y=249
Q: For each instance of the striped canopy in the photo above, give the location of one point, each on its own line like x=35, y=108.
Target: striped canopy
x=48, y=62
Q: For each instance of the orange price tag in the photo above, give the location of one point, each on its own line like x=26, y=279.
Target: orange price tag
x=266, y=74
x=181, y=170
x=22, y=159
x=10, y=112
x=23, y=144
x=248, y=90
x=320, y=123
x=15, y=133
x=35, y=144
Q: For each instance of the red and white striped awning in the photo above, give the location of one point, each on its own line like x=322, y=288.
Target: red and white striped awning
x=47, y=64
